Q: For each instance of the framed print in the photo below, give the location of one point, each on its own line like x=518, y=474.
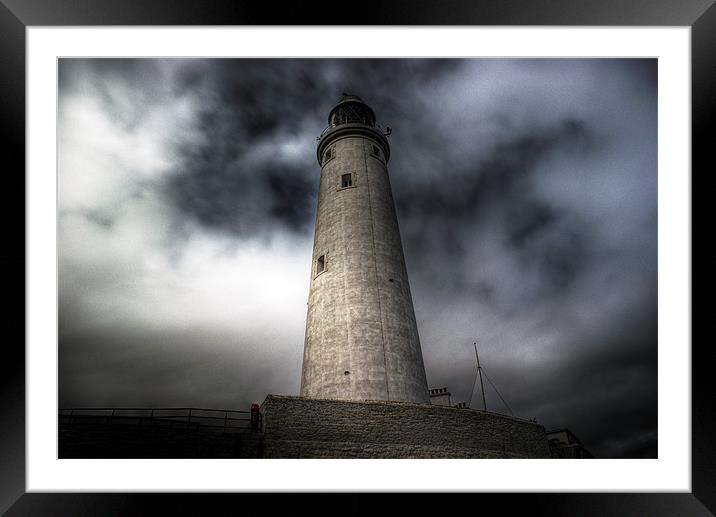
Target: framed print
x=190, y=128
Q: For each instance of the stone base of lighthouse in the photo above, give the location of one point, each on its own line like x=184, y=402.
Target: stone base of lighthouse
x=299, y=427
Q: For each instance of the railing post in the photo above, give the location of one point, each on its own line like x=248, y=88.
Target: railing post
x=226, y=417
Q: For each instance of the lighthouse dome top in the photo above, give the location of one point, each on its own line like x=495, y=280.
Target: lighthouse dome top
x=352, y=117
x=351, y=110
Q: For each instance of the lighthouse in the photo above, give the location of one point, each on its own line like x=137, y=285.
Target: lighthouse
x=361, y=339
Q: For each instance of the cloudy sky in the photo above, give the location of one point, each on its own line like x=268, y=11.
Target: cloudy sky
x=526, y=193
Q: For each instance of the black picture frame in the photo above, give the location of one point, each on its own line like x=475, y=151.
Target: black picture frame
x=17, y=15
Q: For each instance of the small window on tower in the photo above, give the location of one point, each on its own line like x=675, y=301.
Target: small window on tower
x=321, y=264
x=376, y=151
x=347, y=180
x=328, y=154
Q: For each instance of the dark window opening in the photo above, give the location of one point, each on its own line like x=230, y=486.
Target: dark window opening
x=376, y=151
x=346, y=180
x=320, y=264
x=329, y=154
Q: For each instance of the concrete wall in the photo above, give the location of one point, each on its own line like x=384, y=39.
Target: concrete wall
x=361, y=337
x=295, y=427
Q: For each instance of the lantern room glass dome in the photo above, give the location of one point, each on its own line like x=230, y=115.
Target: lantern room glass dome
x=351, y=110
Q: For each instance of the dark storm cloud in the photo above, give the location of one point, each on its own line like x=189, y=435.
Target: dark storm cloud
x=538, y=233
x=526, y=196
x=499, y=175
x=241, y=199
x=249, y=108
x=237, y=179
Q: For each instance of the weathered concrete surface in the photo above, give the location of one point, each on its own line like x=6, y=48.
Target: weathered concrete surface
x=296, y=427
x=361, y=336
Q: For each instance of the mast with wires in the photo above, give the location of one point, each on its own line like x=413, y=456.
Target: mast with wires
x=482, y=386
x=479, y=373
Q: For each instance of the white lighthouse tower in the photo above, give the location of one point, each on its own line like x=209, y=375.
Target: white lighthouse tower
x=361, y=337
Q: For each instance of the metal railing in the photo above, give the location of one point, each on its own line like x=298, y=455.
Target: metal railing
x=219, y=420
x=386, y=132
